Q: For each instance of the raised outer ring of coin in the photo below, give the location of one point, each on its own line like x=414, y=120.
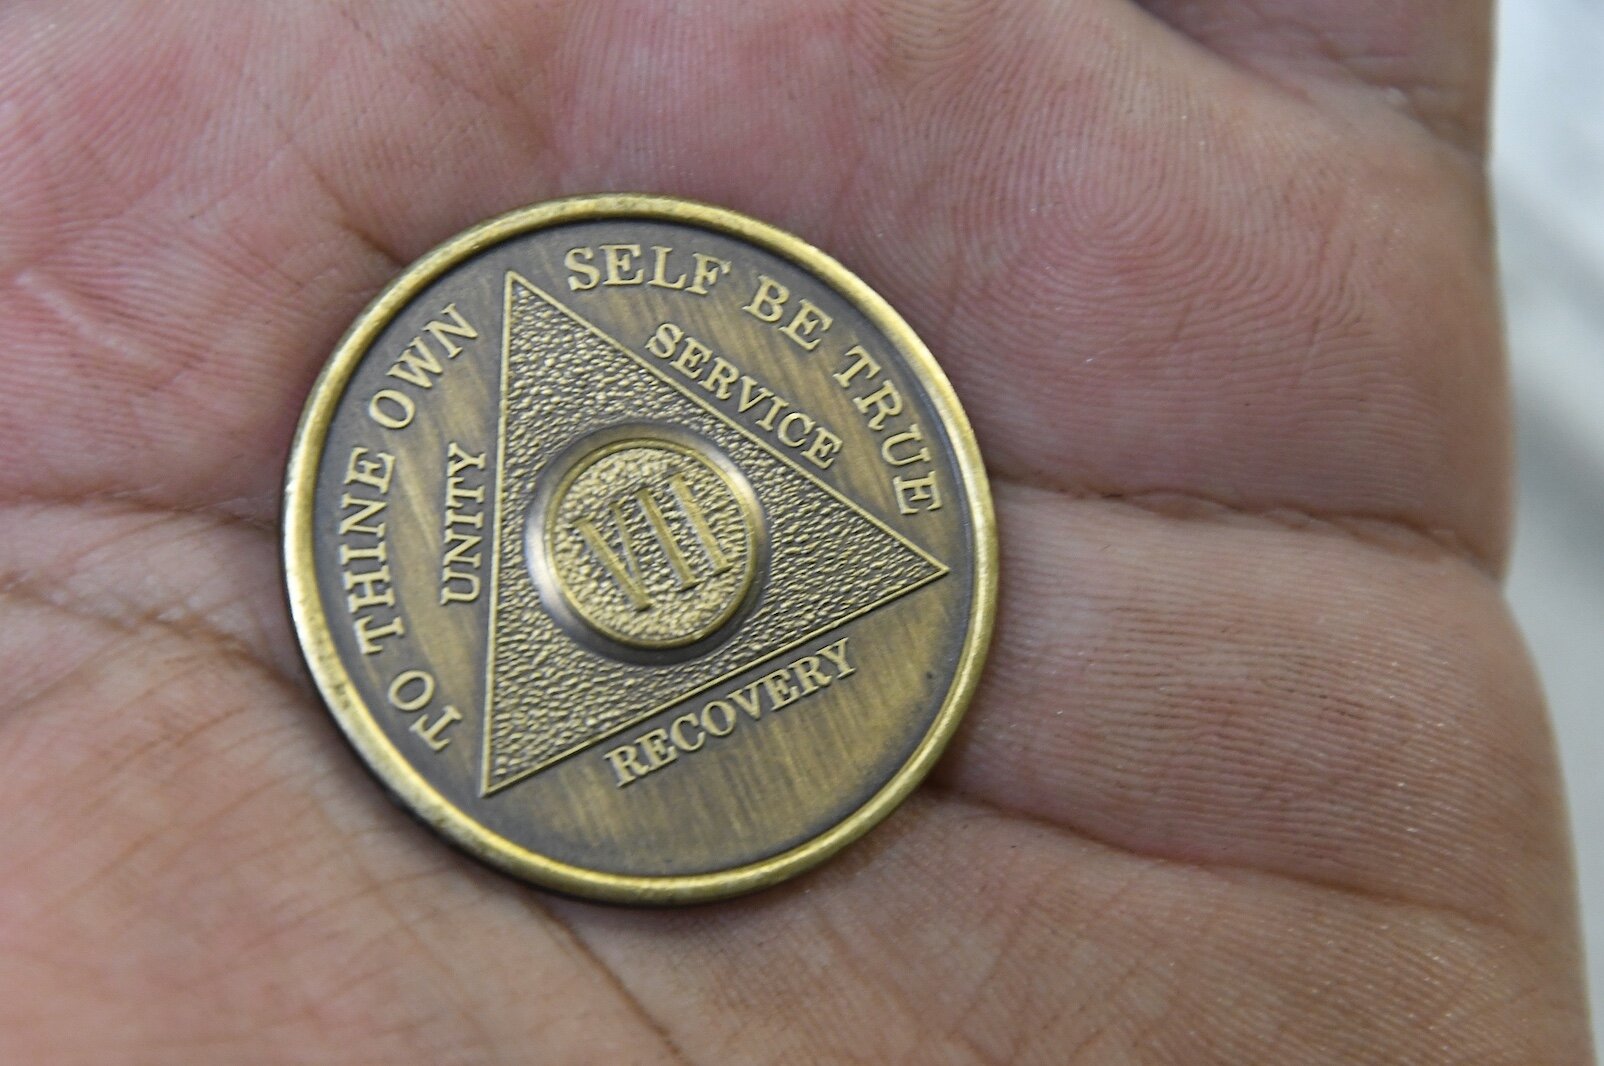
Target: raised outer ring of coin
x=394, y=769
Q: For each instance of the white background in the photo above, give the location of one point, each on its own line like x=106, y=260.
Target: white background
x=1548, y=176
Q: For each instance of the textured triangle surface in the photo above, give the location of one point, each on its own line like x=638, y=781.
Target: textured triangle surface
x=550, y=696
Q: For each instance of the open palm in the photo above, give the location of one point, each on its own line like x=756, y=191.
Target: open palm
x=1258, y=773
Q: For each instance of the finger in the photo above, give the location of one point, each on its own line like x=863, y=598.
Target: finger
x=1333, y=704
x=1327, y=704
x=203, y=574
x=165, y=783
x=956, y=935
x=1431, y=59
x=1143, y=272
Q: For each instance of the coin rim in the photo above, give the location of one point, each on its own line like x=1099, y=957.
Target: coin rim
x=392, y=767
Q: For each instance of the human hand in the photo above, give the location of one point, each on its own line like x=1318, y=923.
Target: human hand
x=1259, y=772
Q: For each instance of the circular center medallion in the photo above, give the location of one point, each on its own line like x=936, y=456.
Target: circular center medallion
x=649, y=541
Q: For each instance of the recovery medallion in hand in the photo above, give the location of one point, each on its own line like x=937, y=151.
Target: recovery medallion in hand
x=640, y=548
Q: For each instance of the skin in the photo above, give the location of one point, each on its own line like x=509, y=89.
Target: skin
x=1259, y=771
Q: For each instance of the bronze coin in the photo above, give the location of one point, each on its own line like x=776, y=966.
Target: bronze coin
x=639, y=548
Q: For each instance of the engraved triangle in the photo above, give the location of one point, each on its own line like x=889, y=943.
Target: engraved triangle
x=549, y=696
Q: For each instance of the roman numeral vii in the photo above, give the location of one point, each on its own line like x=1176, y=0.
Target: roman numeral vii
x=690, y=564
